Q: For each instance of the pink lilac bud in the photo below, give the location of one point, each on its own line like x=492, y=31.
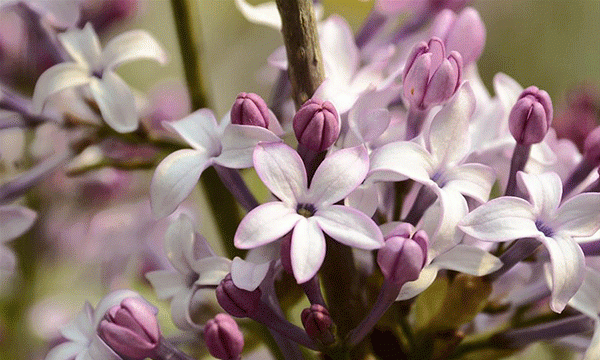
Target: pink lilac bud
x=317, y=323
x=223, y=337
x=237, y=302
x=464, y=33
x=401, y=259
x=430, y=77
x=250, y=109
x=131, y=329
x=591, y=147
x=531, y=117
x=316, y=125
x=580, y=115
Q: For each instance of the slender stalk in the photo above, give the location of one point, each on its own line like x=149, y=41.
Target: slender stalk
x=517, y=163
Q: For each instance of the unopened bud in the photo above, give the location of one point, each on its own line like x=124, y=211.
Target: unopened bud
x=430, y=77
x=131, y=329
x=401, y=259
x=318, y=323
x=316, y=125
x=591, y=147
x=237, y=302
x=464, y=33
x=223, y=337
x=531, y=117
x=250, y=109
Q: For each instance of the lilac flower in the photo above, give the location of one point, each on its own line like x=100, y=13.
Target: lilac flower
x=308, y=211
x=228, y=145
x=196, y=265
x=14, y=221
x=587, y=300
x=542, y=217
x=94, y=68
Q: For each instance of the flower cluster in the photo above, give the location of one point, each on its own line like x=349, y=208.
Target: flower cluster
x=386, y=177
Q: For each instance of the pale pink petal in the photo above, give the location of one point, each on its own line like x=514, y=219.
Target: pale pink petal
x=339, y=174
x=441, y=219
x=501, y=219
x=80, y=328
x=132, y=45
x=413, y=288
x=199, y=130
x=399, y=161
x=238, y=144
x=211, y=270
x=116, y=102
x=167, y=283
x=364, y=198
x=281, y=169
x=175, y=178
x=545, y=191
x=14, y=221
x=8, y=261
x=99, y=350
x=307, y=249
x=473, y=180
x=264, y=224
x=579, y=215
x=57, y=78
x=179, y=243
x=587, y=298
x=338, y=47
x=350, y=227
x=469, y=260
x=247, y=275
x=65, y=351
x=568, y=269
x=110, y=300
x=83, y=46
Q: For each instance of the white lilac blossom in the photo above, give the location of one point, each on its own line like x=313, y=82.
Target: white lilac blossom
x=95, y=68
x=83, y=342
x=196, y=266
x=227, y=145
x=544, y=218
x=587, y=301
x=14, y=221
x=308, y=211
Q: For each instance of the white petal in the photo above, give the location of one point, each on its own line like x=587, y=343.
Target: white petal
x=441, y=219
x=57, y=78
x=579, y=215
x=110, y=300
x=175, y=178
x=468, y=259
x=8, y=261
x=307, y=249
x=473, y=180
x=238, y=144
x=14, y=221
x=281, y=169
x=98, y=350
x=568, y=269
x=264, y=224
x=199, y=130
x=449, y=139
x=587, y=298
x=179, y=243
x=338, y=48
x=399, y=161
x=132, y=45
x=413, y=288
x=339, y=174
x=350, y=227
x=211, y=270
x=180, y=310
x=116, y=102
x=80, y=328
x=545, y=191
x=364, y=198
x=83, y=46
x=262, y=14
x=166, y=283
x=501, y=219
x=65, y=351
x=593, y=351
x=247, y=275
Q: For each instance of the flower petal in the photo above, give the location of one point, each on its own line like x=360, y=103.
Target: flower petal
x=180, y=310
x=593, y=350
x=338, y=175
x=399, y=161
x=264, y=224
x=57, y=78
x=350, y=227
x=175, y=178
x=262, y=14
x=238, y=144
x=587, y=298
x=166, y=283
x=473, y=180
x=501, y=219
x=14, y=221
x=199, y=130
x=364, y=198
x=281, y=169
x=579, y=215
x=545, y=192
x=8, y=261
x=179, y=243
x=441, y=219
x=132, y=45
x=339, y=49
x=116, y=102
x=413, y=288
x=110, y=300
x=568, y=269
x=247, y=275
x=211, y=270
x=468, y=259
x=307, y=249
x=65, y=351
x=82, y=45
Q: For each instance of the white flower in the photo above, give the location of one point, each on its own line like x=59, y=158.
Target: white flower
x=587, y=300
x=228, y=145
x=95, y=67
x=309, y=211
x=14, y=221
x=544, y=218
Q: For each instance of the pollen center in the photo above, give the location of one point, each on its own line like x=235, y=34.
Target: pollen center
x=306, y=210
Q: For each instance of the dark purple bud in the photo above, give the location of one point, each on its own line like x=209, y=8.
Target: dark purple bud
x=316, y=125
x=591, y=147
x=318, y=323
x=401, y=259
x=237, y=302
x=531, y=117
x=250, y=109
x=131, y=329
x=223, y=337
x=430, y=77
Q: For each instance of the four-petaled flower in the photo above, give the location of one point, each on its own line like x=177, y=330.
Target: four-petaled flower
x=308, y=211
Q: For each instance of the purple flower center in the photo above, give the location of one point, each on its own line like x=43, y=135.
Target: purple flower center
x=306, y=210
x=545, y=229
